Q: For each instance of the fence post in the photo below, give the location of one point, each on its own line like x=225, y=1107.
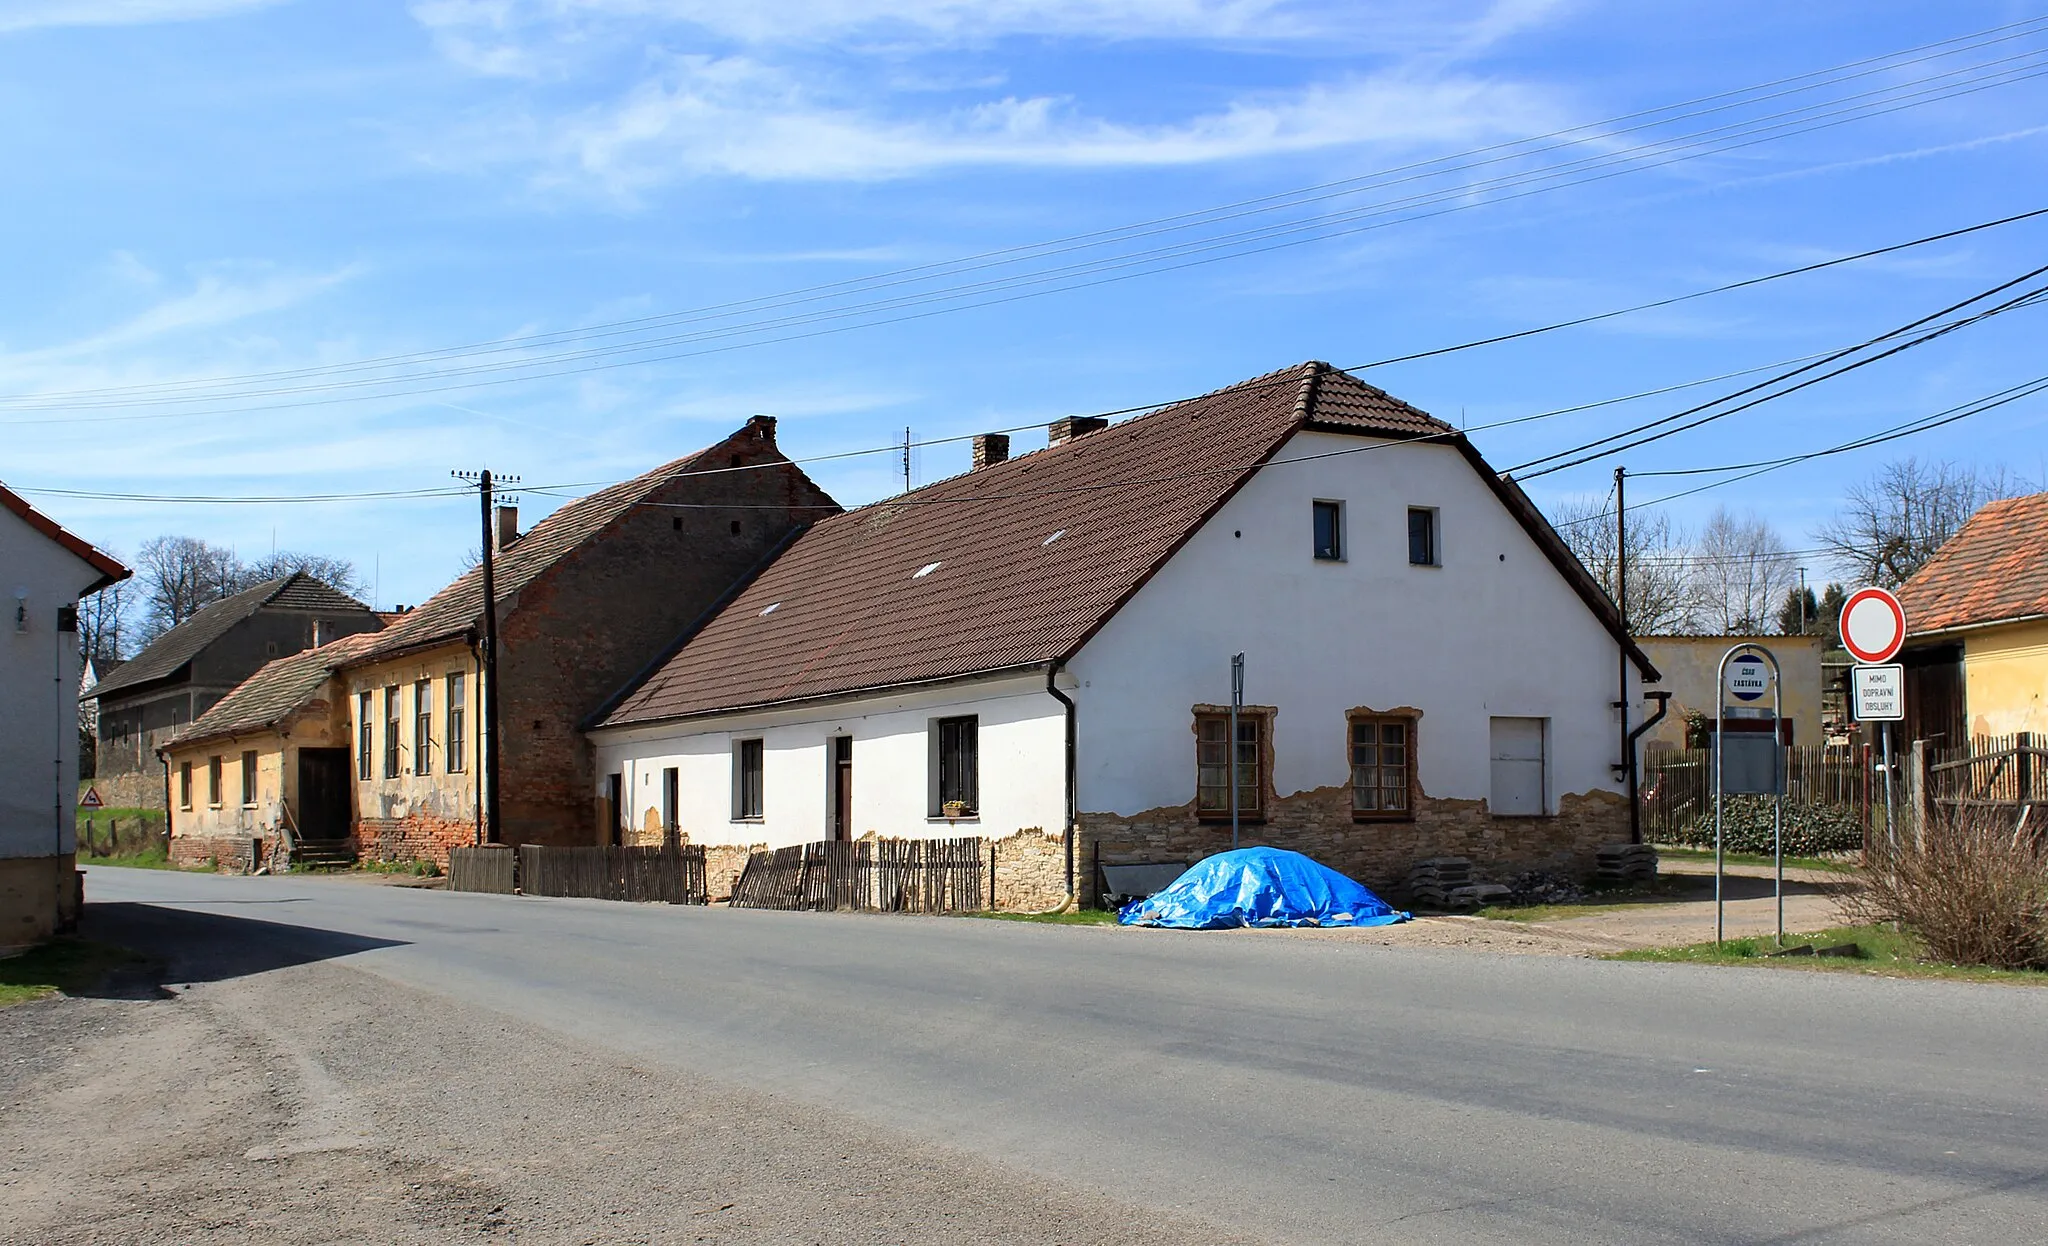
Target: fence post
x=1919, y=800
x=2023, y=767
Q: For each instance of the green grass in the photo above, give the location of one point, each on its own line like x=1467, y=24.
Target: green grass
x=151, y=859
x=423, y=869
x=1880, y=950
x=67, y=965
x=1079, y=917
x=1667, y=853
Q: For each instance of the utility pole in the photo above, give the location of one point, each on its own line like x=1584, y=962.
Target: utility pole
x=491, y=828
x=1628, y=748
x=1802, y=601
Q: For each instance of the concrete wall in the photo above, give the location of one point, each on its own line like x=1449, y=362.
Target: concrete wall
x=414, y=816
x=1493, y=631
x=1687, y=664
x=2005, y=673
x=1022, y=738
x=39, y=671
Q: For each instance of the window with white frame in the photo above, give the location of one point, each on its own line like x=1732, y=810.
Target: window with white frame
x=748, y=773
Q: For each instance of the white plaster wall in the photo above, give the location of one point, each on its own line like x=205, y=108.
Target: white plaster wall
x=1494, y=630
x=39, y=672
x=1022, y=736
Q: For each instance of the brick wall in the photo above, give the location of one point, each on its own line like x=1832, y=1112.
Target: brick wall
x=604, y=612
x=415, y=837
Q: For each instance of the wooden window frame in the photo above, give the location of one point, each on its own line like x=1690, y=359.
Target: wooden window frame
x=423, y=726
x=456, y=690
x=213, y=784
x=185, y=785
x=749, y=779
x=1409, y=725
x=366, y=750
x=956, y=764
x=248, y=778
x=1258, y=721
x=392, y=704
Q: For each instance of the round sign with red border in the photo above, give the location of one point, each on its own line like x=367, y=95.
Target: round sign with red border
x=1873, y=625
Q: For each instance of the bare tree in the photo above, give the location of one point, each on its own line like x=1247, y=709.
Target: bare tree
x=1740, y=571
x=180, y=575
x=336, y=573
x=103, y=623
x=1893, y=522
x=1657, y=560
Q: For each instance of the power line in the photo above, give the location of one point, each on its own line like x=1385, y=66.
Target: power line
x=1886, y=62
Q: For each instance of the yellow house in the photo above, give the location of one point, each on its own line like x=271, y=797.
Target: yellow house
x=266, y=767
x=1688, y=664
x=1977, y=628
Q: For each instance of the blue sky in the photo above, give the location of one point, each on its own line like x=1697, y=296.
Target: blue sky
x=217, y=188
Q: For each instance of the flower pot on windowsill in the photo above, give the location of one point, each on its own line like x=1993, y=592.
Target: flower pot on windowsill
x=954, y=810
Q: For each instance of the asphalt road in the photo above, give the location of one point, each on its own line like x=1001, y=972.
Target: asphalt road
x=1284, y=1088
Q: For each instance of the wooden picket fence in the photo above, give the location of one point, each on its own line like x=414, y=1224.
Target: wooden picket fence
x=876, y=876
x=1677, y=785
x=488, y=869
x=673, y=873
x=1999, y=772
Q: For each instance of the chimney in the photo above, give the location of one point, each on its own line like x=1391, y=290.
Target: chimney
x=990, y=449
x=1069, y=427
x=507, y=529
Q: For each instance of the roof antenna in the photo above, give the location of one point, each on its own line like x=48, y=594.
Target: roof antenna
x=906, y=458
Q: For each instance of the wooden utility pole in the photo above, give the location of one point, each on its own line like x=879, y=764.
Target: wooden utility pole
x=490, y=828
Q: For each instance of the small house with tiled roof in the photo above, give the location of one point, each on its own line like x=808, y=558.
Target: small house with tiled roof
x=267, y=767
x=1038, y=652
x=585, y=600
x=1976, y=653
x=48, y=568
x=181, y=674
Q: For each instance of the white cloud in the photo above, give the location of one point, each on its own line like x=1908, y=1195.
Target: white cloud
x=38, y=14
x=735, y=116
x=215, y=299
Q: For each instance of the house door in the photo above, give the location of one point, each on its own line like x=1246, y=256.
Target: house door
x=1519, y=768
x=615, y=832
x=324, y=787
x=842, y=787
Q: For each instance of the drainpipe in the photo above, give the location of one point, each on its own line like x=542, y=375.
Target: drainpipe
x=1635, y=806
x=1052, y=671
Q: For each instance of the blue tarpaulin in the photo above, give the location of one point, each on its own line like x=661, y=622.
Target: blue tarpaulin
x=1260, y=887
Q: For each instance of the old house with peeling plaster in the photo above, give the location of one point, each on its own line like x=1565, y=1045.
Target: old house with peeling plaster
x=1038, y=652
x=587, y=599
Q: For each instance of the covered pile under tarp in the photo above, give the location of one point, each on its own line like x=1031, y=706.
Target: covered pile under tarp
x=1260, y=887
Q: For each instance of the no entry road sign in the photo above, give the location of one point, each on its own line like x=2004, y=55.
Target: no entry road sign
x=1873, y=626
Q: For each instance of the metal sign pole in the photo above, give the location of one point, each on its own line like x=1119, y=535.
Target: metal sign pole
x=1236, y=704
x=1778, y=802
x=1891, y=830
x=1720, y=728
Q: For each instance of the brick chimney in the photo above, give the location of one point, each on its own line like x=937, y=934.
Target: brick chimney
x=990, y=449
x=506, y=531
x=1069, y=427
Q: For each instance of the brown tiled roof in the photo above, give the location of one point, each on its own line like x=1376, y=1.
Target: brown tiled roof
x=274, y=693
x=163, y=656
x=460, y=606
x=964, y=576
x=1996, y=568
x=111, y=571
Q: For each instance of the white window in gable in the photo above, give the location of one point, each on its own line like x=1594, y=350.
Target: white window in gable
x=1329, y=530
x=1423, y=548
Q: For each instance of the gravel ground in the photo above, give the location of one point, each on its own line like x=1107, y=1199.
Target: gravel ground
x=318, y=1104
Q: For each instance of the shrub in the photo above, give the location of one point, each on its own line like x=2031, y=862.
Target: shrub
x=1971, y=887
x=1810, y=830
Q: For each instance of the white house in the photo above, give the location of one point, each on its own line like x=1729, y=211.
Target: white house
x=1038, y=652
x=46, y=571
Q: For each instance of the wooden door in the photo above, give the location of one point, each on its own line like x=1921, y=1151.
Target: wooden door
x=842, y=787
x=324, y=790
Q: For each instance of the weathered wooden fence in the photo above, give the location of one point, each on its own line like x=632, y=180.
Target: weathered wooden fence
x=487, y=869
x=2007, y=772
x=876, y=875
x=121, y=835
x=671, y=873
x=1677, y=785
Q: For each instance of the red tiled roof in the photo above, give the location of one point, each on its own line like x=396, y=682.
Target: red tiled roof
x=274, y=693
x=1016, y=564
x=1995, y=568
x=110, y=569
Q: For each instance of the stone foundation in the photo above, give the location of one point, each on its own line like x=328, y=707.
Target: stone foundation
x=230, y=854
x=1319, y=824
x=1030, y=871
x=39, y=897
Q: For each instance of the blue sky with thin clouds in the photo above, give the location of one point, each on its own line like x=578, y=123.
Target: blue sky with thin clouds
x=202, y=189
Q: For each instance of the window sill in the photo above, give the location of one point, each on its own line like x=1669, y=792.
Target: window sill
x=754, y=821
x=1406, y=816
x=936, y=818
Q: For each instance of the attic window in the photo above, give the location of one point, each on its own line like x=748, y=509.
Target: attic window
x=772, y=607
x=1054, y=537
x=926, y=570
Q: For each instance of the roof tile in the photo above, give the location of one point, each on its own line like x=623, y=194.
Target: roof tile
x=1995, y=568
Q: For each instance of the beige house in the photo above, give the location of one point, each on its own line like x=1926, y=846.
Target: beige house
x=266, y=768
x=1976, y=652
x=1688, y=665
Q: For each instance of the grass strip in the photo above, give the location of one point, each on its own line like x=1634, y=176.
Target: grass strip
x=1879, y=950
x=67, y=965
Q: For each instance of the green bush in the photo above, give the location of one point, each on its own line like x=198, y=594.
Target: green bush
x=1810, y=830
